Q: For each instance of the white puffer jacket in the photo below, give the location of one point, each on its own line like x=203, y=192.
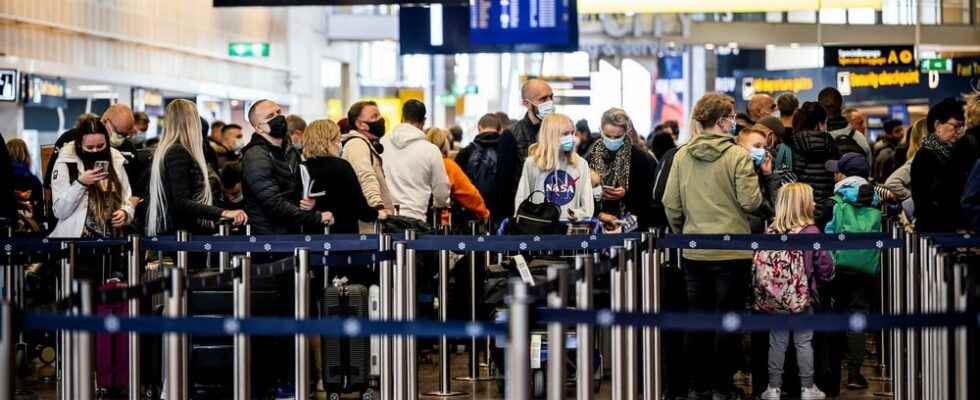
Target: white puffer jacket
x=70, y=199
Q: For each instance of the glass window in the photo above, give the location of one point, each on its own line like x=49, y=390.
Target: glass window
x=861, y=16
x=955, y=12
x=378, y=62
x=801, y=17
x=833, y=16
x=415, y=69
x=775, y=17
x=330, y=73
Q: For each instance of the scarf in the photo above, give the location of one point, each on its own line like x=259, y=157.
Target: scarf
x=613, y=168
x=942, y=149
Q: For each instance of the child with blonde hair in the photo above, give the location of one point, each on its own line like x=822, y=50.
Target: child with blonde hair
x=784, y=282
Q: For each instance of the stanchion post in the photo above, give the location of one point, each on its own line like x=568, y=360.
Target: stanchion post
x=175, y=376
x=224, y=257
x=408, y=293
x=84, y=345
x=960, y=344
x=398, y=362
x=7, y=370
x=135, y=267
x=385, y=282
x=911, y=345
x=242, y=343
x=650, y=293
x=556, y=334
x=519, y=346
x=302, y=307
x=474, y=353
x=897, y=338
x=66, y=381
x=630, y=343
x=617, y=301
x=183, y=264
x=583, y=336
x=445, y=388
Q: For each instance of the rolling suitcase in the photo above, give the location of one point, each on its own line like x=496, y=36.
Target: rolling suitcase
x=112, y=350
x=346, y=361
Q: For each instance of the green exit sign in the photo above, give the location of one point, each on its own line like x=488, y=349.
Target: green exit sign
x=245, y=49
x=942, y=65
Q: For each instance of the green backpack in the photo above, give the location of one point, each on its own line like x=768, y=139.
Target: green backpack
x=852, y=219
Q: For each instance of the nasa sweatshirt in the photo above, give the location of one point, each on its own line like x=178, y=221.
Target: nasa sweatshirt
x=569, y=187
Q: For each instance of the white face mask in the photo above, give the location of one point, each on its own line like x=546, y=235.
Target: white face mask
x=239, y=143
x=116, y=140
x=545, y=109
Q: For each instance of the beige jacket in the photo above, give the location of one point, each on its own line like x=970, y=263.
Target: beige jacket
x=367, y=166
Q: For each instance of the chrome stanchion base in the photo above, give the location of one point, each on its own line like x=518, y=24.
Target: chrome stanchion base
x=477, y=379
x=446, y=394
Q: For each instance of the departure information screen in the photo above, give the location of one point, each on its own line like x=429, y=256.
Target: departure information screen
x=521, y=21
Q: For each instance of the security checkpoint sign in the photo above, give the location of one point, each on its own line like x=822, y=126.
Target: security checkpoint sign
x=247, y=49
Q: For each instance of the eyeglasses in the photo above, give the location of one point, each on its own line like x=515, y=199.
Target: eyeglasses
x=956, y=126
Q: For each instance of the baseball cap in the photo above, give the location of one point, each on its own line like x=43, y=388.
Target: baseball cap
x=850, y=164
x=774, y=125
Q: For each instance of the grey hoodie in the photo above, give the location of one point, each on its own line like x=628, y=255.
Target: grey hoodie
x=414, y=171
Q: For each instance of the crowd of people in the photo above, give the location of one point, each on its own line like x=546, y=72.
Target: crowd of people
x=779, y=167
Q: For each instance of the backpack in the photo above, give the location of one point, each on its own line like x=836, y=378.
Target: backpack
x=847, y=144
x=536, y=218
x=482, y=169
x=851, y=219
x=780, y=281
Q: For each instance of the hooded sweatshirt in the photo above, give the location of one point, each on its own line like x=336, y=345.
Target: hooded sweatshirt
x=711, y=189
x=414, y=171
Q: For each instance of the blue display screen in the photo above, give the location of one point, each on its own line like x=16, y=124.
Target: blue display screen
x=521, y=21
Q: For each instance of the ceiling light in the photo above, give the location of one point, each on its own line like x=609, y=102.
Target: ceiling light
x=709, y=46
x=794, y=45
x=733, y=45
x=94, y=88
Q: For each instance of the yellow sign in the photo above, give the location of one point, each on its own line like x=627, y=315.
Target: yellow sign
x=968, y=69
x=49, y=88
x=773, y=85
x=708, y=6
x=873, y=58
x=885, y=79
x=335, y=110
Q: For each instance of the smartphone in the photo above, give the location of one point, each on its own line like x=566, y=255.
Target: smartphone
x=102, y=166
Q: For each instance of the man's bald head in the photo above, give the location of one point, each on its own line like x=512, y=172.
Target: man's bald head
x=760, y=106
x=534, y=89
x=120, y=117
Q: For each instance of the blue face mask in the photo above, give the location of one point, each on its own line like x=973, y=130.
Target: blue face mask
x=613, y=144
x=567, y=143
x=758, y=155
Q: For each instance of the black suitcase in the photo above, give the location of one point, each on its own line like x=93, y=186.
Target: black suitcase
x=346, y=361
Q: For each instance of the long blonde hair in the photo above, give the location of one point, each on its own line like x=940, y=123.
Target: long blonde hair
x=182, y=125
x=917, y=132
x=973, y=109
x=317, y=138
x=440, y=138
x=547, y=152
x=794, y=208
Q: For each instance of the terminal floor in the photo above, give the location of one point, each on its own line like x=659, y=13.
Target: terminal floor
x=429, y=381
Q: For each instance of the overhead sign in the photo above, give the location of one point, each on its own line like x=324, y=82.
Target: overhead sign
x=9, y=83
x=245, y=49
x=149, y=101
x=712, y=6
x=44, y=92
x=868, y=56
x=521, y=21
x=941, y=65
x=280, y=3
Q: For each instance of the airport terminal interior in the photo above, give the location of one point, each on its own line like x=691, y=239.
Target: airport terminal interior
x=489, y=199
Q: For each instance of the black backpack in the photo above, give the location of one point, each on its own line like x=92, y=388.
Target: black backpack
x=482, y=169
x=847, y=144
x=536, y=218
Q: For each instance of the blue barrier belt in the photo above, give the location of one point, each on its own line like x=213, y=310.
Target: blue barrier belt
x=950, y=241
x=519, y=243
x=849, y=241
x=744, y=321
x=206, y=245
x=37, y=245
x=260, y=326
x=268, y=238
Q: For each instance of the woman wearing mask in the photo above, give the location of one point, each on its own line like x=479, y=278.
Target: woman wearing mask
x=462, y=189
x=333, y=181
x=553, y=167
x=180, y=190
x=27, y=190
x=812, y=147
x=89, y=186
x=936, y=189
x=626, y=172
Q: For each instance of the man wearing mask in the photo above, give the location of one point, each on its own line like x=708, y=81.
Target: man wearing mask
x=761, y=106
x=141, y=125
x=413, y=166
x=296, y=125
x=226, y=144
x=362, y=150
x=270, y=176
x=538, y=98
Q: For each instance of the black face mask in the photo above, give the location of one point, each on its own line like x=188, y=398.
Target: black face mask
x=277, y=127
x=377, y=128
x=89, y=158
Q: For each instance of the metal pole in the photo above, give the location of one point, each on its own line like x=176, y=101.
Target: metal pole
x=133, y=277
x=895, y=300
x=583, y=336
x=445, y=389
x=911, y=285
x=66, y=383
x=174, y=341
x=556, y=334
x=630, y=344
x=302, y=307
x=7, y=371
x=409, y=343
x=650, y=292
x=398, y=310
x=242, y=309
x=519, y=347
x=960, y=299
x=85, y=346
x=224, y=257
x=617, y=302
x=474, y=353
x=183, y=264
x=385, y=283
x=883, y=339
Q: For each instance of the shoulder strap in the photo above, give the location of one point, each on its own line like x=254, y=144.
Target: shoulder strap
x=72, y=171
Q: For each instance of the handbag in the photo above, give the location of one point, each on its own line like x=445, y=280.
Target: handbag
x=536, y=218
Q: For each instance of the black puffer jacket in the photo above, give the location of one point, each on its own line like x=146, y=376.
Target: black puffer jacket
x=501, y=201
x=272, y=189
x=182, y=182
x=811, y=151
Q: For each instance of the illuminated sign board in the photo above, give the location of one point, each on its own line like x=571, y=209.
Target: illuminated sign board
x=9, y=82
x=148, y=100
x=281, y=3
x=941, y=65
x=521, y=21
x=713, y=6
x=868, y=56
x=44, y=92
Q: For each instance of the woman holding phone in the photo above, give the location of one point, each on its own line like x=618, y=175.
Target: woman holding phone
x=89, y=186
x=180, y=191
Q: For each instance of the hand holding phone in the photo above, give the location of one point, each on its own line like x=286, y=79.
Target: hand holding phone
x=102, y=166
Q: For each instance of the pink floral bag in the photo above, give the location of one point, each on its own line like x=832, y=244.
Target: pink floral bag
x=779, y=281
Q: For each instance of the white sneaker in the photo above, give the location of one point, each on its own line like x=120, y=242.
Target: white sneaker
x=771, y=393
x=812, y=393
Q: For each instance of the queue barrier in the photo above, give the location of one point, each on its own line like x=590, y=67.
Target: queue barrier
x=631, y=308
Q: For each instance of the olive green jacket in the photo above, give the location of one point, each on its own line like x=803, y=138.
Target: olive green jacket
x=711, y=189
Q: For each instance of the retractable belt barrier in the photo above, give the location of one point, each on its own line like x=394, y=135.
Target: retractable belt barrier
x=919, y=316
